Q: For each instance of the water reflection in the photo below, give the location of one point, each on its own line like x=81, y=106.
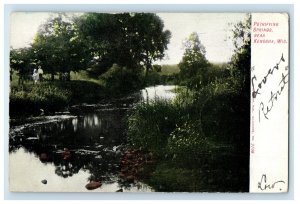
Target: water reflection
x=74, y=123
x=29, y=178
x=94, y=143
x=158, y=92
x=69, y=151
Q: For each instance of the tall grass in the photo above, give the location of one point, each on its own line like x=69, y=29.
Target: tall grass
x=199, y=137
x=150, y=125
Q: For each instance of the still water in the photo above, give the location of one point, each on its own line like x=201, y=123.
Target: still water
x=65, y=152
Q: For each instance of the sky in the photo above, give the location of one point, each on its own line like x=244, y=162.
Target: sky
x=213, y=30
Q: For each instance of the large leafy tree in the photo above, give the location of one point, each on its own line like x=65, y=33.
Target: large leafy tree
x=241, y=59
x=150, y=39
x=132, y=40
x=22, y=60
x=194, y=65
x=58, y=47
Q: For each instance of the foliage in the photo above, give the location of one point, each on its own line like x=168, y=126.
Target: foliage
x=241, y=59
x=154, y=78
x=187, y=144
x=224, y=120
x=132, y=40
x=207, y=141
x=156, y=68
x=169, y=178
x=83, y=75
x=169, y=69
x=95, y=42
x=150, y=124
x=79, y=93
x=52, y=96
x=218, y=173
x=194, y=65
x=207, y=149
x=21, y=60
x=162, y=74
x=58, y=48
x=120, y=80
x=38, y=99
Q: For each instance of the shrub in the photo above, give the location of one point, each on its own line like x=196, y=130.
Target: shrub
x=118, y=80
x=226, y=118
x=44, y=96
x=188, y=145
x=153, y=78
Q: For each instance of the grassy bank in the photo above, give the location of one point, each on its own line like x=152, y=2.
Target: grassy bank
x=198, y=139
x=48, y=97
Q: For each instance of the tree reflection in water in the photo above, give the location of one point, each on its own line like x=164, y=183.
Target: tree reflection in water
x=95, y=142
x=95, y=138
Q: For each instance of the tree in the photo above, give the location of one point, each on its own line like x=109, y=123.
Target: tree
x=194, y=64
x=22, y=61
x=132, y=40
x=241, y=65
x=58, y=47
x=241, y=59
x=150, y=40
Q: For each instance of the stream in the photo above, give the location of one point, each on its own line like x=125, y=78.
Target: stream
x=64, y=152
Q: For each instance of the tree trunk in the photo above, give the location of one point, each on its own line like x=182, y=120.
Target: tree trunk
x=21, y=80
x=68, y=77
x=60, y=76
x=148, y=67
x=52, y=76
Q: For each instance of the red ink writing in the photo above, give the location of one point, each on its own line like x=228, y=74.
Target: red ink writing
x=261, y=33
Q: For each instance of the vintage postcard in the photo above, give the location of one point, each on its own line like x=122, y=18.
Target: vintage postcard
x=148, y=102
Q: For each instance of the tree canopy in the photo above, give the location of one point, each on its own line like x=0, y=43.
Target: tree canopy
x=58, y=47
x=96, y=41
x=241, y=59
x=132, y=40
x=194, y=64
x=21, y=59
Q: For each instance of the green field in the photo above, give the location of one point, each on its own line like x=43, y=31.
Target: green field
x=169, y=69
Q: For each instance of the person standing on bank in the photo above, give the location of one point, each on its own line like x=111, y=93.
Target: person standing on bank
x=40, y=72
x=35, y=76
